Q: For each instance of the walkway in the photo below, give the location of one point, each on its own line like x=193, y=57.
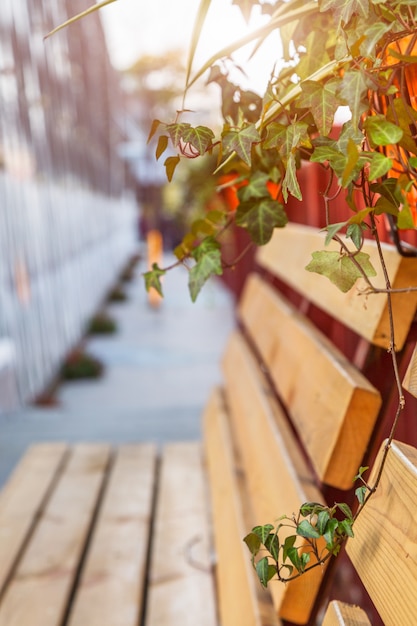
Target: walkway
x=160, y=366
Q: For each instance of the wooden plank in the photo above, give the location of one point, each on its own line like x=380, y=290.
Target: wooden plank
x=241, y=598
x=333, y=406
x=38, y=593
x=111, y=588
x=384, y=549
x=341, y=614
x=410, y=378
x=290, y=250
x=277, y=477
x=181, y=587
x=22, y=499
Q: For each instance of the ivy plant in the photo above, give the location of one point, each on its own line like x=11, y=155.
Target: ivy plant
x=356, y=54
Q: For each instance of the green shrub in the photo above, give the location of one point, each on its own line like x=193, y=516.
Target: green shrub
x=102, y=324
x=79, y=365
x=117, y=294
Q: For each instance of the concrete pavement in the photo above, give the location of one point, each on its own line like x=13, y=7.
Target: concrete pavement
x=159, y=369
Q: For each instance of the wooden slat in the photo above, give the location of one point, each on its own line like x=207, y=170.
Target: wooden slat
x=278, y=479
x=22, y=498
x=38, y=593
x=410, y=378
x=384, y=549
x=341, y=614
x=241, y=598
x=290, y=250
x=334, y=407
x=181, y=586
x=111, y=589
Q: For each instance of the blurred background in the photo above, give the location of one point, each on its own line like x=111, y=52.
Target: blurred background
x=80, y=187
x=80, y=191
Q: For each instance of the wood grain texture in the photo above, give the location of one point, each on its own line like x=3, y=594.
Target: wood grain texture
x=23, y=498
x=290, y=250
x=277, y=477
x=240, y=596
x=410, y=378
x=384, y=549
x=181, y=586
x=111, y=589
x=38, y=594
x=332, y=405
x=341, y=614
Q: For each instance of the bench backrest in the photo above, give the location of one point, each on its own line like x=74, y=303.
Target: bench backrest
x=294, y=417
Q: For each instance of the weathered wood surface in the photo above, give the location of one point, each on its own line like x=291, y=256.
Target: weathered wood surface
x=41, y=586
x=332, y=405
x=290, y=250
x=112, y=585
x=278, y=480
x=340, y=614
x=78, y=538
x=180, y=586
x=384, y=549
x=240, y=596
x=410, y=378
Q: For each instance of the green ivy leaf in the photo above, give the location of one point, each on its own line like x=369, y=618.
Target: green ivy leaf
x=381, y=132
x=350, y=171
x=305, y=560
x=263, y=531
x=200, y=137
x=389, y=190
x=256, y=187
x=240, y=141
x=355, y=233
x=373, y=35
x=346, y=510
x=354, y=91
x=307, y=530
x=344, y=9
x=360, y=494
x=209, y=263
x=272, y=545
x=332, y=230
x=345, y=528
x=379, y=165
x=405, y=218
x=265, y=571
x=176, y=131
x=336, y=159
x=323, y=103
x=329, y=532
x=290, y=182
x=275, y=136
x=153, y=278
x=383, y=205
x=253, y=542
x=288, y=545
x=340, y=270
x=294, y=557
x=322, y=521
x=260, y=217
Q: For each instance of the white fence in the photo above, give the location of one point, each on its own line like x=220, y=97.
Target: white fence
x=60, y=251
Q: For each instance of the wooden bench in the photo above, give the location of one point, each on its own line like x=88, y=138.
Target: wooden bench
x=120, y=537
x=91, y=535
x=293, y=423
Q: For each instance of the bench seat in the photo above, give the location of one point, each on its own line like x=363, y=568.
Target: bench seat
x=92, y=535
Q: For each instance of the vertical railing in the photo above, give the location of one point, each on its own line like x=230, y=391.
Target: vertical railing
x=67, y=223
